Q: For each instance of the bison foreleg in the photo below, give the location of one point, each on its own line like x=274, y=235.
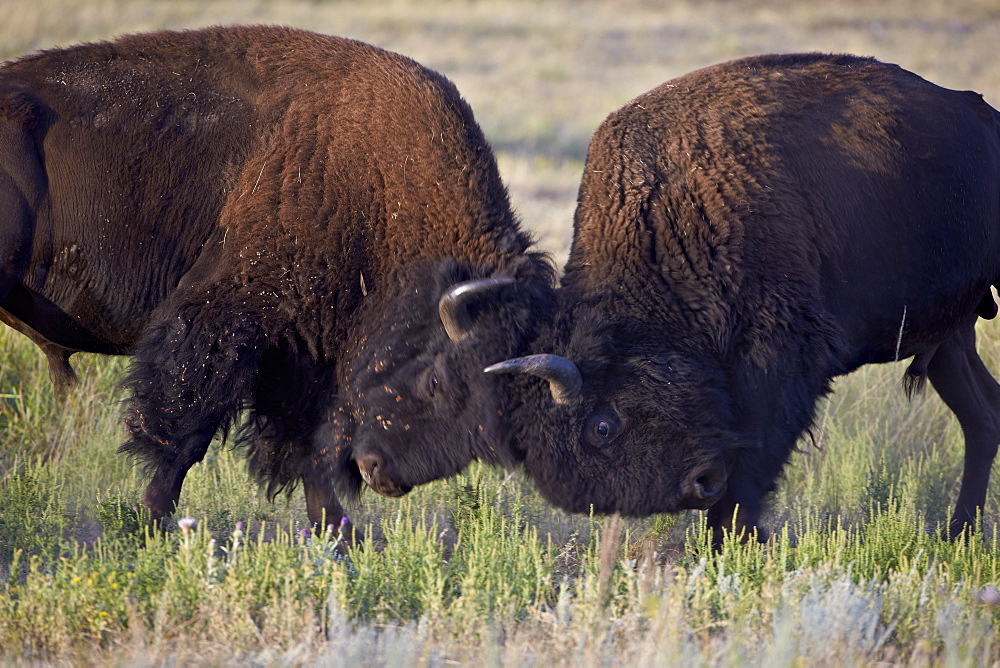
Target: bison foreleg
x=164, y=489
x=328, y=475
x=738, y=511
x=322, y=505
x=324, y=508
x=961, y=379
x=193, y=372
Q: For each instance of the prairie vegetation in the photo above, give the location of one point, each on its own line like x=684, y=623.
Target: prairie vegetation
x=478, y=569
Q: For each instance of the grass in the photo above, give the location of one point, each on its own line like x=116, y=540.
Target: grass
x=477, y=569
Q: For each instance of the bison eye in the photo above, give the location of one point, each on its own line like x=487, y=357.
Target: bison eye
x=427, y=383
x=601, y=429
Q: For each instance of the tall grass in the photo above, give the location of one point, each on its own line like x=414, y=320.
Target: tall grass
x=477, y=569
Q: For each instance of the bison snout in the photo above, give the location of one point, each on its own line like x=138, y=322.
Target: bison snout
x=704, y=485
x=376, y=472
x=369, y=465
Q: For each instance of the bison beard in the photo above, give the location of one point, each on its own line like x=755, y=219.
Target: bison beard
x=744, y=234
x=251, y=212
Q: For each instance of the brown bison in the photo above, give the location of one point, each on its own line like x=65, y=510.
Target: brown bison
x=270, y=221
x=744, y=234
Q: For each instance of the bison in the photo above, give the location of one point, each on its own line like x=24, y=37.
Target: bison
x=276, y=224
x=744, y=234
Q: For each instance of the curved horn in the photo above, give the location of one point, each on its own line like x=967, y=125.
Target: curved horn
x=453, y=307
x=563, y=375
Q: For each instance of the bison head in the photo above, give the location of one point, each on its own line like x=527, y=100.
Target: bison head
x=420, y=405
x=624, y=420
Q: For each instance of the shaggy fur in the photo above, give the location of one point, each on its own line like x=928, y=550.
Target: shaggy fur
x=245, y=210
x=744, y=234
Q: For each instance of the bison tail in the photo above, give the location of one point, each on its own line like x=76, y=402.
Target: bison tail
x=915, y=377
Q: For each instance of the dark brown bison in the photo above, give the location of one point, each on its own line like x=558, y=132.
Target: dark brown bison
x=271, y=221
x=744, y=234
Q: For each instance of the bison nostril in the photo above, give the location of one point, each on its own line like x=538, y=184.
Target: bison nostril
x=379, y=473
x=706, y=484
x=706, y=487
x=368, y=465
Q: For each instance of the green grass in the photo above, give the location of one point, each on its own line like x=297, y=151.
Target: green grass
x=477, y=569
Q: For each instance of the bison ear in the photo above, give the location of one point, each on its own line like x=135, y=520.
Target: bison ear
x=565, y=381
x=453, y=307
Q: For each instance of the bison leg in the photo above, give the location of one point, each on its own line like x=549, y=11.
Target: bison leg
x=322, y=505
x=17, y=203
x=768, y=443
x=738, y=511
x=293, y=440
x=63, y=376
x=961, y=379
x=320, y=477
x=193, y=372
x=164, y=488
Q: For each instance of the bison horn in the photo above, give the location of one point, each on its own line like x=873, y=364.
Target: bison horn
x=453, y=306
x=563, y=375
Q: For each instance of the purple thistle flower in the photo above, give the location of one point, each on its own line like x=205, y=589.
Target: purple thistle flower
x=989, y=595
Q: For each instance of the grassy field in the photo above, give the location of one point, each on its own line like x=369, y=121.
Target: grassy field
x=478, y=569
